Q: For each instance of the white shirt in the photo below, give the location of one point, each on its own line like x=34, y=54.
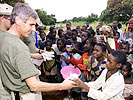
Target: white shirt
x=121, y=34
x=112, y=88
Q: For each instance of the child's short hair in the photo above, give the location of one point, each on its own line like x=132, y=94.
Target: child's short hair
x=114, y=33
x=63, y=41
x=120, y=57
x=74, y=30
x=68, y=42
x=91, y=41
x=88, y=33
x=124, y=43
x=119, y=25
x=50, y=36
x=102, y=46
x=48, y=41
x=60, y=32
x=51, y=29
x=78, y=45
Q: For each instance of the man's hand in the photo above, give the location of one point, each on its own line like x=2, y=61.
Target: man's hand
x=37, y=56
x=68, y=84
x=42, y=51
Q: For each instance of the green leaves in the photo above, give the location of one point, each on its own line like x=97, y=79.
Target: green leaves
x=120, y=10
x=46, y=19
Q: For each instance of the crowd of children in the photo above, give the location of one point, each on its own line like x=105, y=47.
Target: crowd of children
x=87, y=49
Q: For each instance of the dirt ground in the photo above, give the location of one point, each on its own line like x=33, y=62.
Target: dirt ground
x=58, y=95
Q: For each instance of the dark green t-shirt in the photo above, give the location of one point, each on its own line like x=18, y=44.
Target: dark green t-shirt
x=15, y=62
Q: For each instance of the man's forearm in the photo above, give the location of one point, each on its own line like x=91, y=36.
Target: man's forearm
x=39, y=86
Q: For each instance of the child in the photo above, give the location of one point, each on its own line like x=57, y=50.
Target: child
x=107, y=38
x=116, y=39
x=125, y=47
x=50, y=65
x=61, y=33
x=110, y=81
x=42, y=41
x=53, y=32
x=84, y=37
x=74, y=36
x=83, y=61
x=126, y=72
x=59, y=49
x=64, y=58
x=97, y=63
x=67, y=35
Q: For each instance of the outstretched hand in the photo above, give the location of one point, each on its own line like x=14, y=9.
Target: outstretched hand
x=81, y=84
x=68, y=84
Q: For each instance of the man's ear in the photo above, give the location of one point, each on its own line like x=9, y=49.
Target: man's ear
x=119, y=65
x=18, y=20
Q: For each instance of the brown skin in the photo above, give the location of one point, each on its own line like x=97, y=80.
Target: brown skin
x=112, y=67
x=98, y=54
x=125, y=72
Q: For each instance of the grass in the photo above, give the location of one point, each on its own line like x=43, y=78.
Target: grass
x=74, y=24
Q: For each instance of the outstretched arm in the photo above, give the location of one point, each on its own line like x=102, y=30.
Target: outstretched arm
x=36, y=85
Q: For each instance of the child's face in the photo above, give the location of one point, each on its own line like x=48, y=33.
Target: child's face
x=124, y=48
x=87, y=46
x=74, y=35
x=111, y=63
x=48, y=46
x=60, y=45
x=97, y=52
x=117, y=36
x=42, y=36
x=68, y=25
x=125, y=71
x=54, y=32
x=84, y=36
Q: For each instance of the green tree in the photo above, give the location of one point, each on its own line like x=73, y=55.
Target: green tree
x=11, y=2
x=91, y=18
x=120, y=10
x=46, y=19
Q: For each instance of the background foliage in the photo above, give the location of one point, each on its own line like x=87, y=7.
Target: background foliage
x=120, y=10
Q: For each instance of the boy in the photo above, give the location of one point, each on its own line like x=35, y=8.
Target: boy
x=110, y=81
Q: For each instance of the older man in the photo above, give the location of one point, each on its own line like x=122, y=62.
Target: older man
x=18, y=71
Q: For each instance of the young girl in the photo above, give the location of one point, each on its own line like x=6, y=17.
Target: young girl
x=42, y=41
x=64, y=58
x=116, y=39
x=125, y=47
x=126, y=72
x=97, y=63
x=50, y=65
x=110, y=81
x=59, y=49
